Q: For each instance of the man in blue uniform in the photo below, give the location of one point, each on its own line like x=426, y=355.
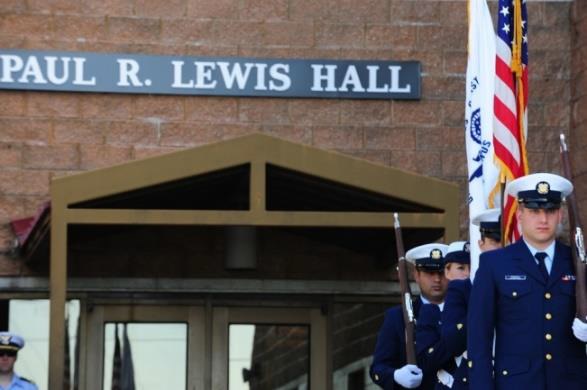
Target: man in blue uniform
x=448, y=353
x=389, y=369
x=489, y=222
x=440, y=340
x=10, y=344
x=525, y=295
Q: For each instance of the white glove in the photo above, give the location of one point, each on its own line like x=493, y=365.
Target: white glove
x=445, y=378
x=580, y=330
x=409, y=376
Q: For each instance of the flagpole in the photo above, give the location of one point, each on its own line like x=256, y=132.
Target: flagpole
x=502, y=181
x=517, y=68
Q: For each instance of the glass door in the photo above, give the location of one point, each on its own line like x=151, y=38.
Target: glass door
x=153, y=347
x=203, y=347
x=269, y=349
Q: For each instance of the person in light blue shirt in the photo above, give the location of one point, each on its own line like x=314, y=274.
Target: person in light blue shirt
x=10, y=344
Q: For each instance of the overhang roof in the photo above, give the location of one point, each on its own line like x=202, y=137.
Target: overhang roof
x=255, y=180
x=359, y=195
x=258, y=151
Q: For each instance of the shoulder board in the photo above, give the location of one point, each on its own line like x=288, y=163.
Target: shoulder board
x=27, y=380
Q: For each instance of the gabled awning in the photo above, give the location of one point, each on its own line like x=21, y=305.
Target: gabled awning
x=256, y=180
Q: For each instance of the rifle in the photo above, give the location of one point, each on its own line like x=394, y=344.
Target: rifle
x=578, y=252
x=402, y=270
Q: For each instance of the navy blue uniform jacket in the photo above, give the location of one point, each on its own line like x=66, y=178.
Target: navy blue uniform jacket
x=390, y=350
x=535, y=347
x=438, y=351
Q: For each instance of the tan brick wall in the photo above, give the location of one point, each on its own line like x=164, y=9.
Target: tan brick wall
x=578, y=105
x=43, y=135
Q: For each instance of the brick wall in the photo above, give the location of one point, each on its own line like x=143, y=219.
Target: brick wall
x=578, y=105
x=280, y=356
x=43, y=135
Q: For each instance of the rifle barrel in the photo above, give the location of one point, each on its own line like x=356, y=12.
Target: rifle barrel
x=577, y=244
x=407, y=309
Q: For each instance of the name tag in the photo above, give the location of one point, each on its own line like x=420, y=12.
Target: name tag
x=515, y=277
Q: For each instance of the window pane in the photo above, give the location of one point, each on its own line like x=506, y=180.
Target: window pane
x=354, y=333
x=30, y=319
x=158, y=353
x=268, y=357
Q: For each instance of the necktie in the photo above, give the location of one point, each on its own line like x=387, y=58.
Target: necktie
x=540, y=256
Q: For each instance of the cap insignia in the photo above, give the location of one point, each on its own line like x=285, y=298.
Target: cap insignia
x=543, y=188
x=435, y=254
x=467, y=247
x=5, y=339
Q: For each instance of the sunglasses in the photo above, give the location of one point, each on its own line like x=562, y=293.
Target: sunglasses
x=8, y=353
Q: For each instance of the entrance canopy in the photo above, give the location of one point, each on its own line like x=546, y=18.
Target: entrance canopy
x=256, y=181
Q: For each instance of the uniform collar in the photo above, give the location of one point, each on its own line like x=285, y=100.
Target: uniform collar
x=14, y=382
x=424, y=300
x=549, y=250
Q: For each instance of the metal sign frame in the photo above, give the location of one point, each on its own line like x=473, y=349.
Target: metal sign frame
x=208, y=76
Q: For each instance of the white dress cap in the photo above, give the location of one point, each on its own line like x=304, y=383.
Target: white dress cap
x=543, y=186
x=489, y=215
x=458, y=246
x=428, y=256
x=11, y=341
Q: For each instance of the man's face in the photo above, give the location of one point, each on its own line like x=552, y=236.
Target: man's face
x=433, y=285
x=539, y=225
x=454, y=271
x=7, y=362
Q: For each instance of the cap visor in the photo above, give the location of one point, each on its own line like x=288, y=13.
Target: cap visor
x=541, y=205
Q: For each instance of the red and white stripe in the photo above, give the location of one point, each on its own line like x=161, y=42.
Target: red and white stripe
x=507, y=138
x=510, y=102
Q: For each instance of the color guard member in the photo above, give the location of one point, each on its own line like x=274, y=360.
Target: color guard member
x=448, y=354
x=439, y=339
x=489, y=222
x=389, y=369
x=524, y=294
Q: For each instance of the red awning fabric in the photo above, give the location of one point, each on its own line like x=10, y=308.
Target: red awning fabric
x=27, y=228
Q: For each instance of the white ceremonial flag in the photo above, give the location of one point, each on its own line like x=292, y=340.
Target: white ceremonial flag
x=483, y=173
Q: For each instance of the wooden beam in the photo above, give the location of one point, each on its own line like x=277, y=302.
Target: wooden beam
x=253, y=218
x=58, y=288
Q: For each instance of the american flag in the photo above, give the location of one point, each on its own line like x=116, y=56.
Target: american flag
x=511, y=101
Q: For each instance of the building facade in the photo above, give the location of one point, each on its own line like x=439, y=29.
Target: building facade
x=119, y=159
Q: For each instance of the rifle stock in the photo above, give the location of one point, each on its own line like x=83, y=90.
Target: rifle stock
x=576, y=230
x=407, y=309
